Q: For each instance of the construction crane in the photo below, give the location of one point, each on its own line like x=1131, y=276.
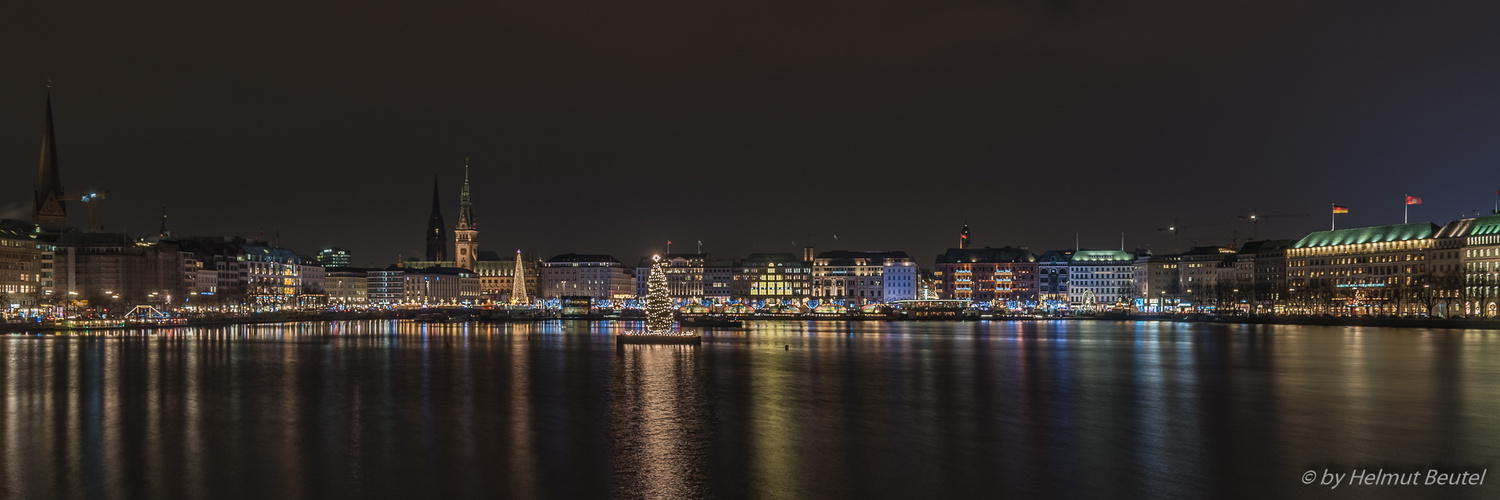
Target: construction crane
x=1177, y=227
x=1255, y=217
x=90, y=199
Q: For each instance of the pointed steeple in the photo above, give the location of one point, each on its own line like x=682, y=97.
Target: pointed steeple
x=466, y=233
x=466, y=218
x=49, y=210
x=164, y=233
x=437, y=240
x=963, y=236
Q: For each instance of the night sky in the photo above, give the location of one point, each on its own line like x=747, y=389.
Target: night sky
x=611, y=127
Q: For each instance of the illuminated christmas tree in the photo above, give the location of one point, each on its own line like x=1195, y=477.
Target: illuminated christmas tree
x=658, y=305
x=518, y=283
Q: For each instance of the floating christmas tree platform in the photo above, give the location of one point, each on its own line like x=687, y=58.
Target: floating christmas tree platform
x=658, y=314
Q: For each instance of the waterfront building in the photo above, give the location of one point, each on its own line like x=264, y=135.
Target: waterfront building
x=441, y=286
x=347, y=286
x=718, y=280
x=386, y=287
x=335, y=257
x=1365, y=270
x=1100, y=279
x=313, y=276
x=863, y=277
x=437, y=242
x=600, y=277
x=1005, y=276
x=497, y=277
x=1468, y=285
x=115, y=269
x=1052, y=279
x=781, y=277
x=466, y=233
x=205, y=282
x=927, y=285
x=686, y=276
x=20, y=267
x=272, y=275
x=1260, y=275
x=1199, y=270
x=1157, y=284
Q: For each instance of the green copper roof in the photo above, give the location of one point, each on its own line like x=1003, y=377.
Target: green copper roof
x=1485, y=226
x=1372, y=234
x=1102, y=256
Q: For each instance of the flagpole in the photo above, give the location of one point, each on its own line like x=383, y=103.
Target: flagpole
x=1333, y=218
x=1406, y=210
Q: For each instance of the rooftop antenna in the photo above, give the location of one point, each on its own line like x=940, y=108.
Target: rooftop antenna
x=1122, y=241
x=1075, y=243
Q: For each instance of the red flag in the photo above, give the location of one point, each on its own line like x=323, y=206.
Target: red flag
x=1412, y=200
x=1340, y=209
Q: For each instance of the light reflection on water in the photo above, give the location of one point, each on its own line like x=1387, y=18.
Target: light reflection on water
x=384, y=409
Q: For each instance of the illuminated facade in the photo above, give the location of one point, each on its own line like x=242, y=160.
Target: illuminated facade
x=765, y=276
x=1199, y=271
x=1157, y=282
x=718, y=281
x=1469, y=285
x=1052, y=279
x=1367, y=270
x=348, y=286
x=1100, y=279
x=862, y=277
x=335, y=257
x=441, y=286
x=600, y=277
x=20, y=268
x=1005, y=276
x=272, y=275
x=686, y=273
x=385, y=287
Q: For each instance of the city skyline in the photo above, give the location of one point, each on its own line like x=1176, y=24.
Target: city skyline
x=1240, y=228
x=1032, y=143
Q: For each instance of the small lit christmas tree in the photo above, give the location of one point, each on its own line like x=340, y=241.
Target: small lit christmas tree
x=658, y=305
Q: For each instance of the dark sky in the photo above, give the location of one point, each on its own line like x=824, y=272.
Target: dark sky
x=613, y=126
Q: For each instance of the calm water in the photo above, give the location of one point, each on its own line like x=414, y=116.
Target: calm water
x=386, y=409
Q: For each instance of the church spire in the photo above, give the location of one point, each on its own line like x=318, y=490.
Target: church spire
x=164, y=233
x=49, y=209
x=437, y=241
x=963, y=236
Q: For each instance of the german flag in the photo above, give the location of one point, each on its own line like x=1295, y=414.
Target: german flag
x=1340, y=209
